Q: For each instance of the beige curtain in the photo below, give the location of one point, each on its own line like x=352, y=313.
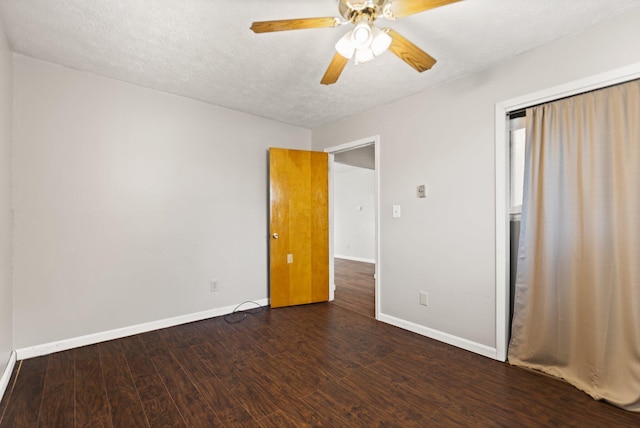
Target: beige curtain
x=577, y=302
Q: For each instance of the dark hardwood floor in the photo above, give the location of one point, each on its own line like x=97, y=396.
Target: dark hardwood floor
x=313, y=365
x=355, y=286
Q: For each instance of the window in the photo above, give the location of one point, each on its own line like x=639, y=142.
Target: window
x=517, y=139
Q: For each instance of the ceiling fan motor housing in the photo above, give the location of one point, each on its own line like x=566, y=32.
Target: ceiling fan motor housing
x=353, y=9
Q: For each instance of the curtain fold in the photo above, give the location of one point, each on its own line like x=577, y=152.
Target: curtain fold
x=577, y=302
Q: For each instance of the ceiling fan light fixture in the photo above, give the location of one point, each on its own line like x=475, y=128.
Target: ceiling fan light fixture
x=363, y=55
x=362, y=35
x=381, y=41
x=345, y=46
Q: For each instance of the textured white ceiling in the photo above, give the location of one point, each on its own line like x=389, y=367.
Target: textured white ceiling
x=204, y=49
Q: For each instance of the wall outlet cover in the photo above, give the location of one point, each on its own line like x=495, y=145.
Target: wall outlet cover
x=424, y=298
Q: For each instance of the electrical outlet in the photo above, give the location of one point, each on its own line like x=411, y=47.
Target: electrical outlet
x=424, y=298
x=214, y=285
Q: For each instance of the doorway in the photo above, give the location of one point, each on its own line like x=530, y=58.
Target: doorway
x=360, y=278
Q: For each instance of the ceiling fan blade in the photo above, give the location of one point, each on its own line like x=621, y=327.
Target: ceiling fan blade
x=408, y=52
x=402, y=8
x=334, y=70
x=294, y=24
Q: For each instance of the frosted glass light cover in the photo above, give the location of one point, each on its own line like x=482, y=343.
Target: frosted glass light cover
x=361, y=34
x=363, y=55
x=345, y=46
x=381, y=41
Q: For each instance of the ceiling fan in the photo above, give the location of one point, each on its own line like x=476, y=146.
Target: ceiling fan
x=365, y=41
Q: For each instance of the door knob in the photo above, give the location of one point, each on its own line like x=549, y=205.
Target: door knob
x=275, y=236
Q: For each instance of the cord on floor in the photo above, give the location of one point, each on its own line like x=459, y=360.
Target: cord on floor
x=238, y=316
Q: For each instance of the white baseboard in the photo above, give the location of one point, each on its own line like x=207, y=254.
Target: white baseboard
x=6, y=376
x=91, y=339
x=355, y=259
x=459, y=342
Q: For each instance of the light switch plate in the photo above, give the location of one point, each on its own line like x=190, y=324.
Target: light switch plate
x=421, y=191
x=396, y=211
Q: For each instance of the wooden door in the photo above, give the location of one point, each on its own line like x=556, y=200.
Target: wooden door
x=299, y=227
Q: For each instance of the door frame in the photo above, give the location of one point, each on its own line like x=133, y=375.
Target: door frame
x=363, y=142
x=502, y=109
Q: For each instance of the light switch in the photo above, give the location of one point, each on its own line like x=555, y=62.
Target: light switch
x=421, y=191
x=289, y=258
x=396, y=211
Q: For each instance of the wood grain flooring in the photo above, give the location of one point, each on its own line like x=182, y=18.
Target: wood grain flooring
x=355, y=286
x=312, y=365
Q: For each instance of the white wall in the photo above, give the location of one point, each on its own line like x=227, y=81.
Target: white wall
x=128, y=201
x=6, y=298
x=354, y=231
x=444, y=138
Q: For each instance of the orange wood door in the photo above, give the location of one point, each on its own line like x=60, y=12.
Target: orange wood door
x=299, y=227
